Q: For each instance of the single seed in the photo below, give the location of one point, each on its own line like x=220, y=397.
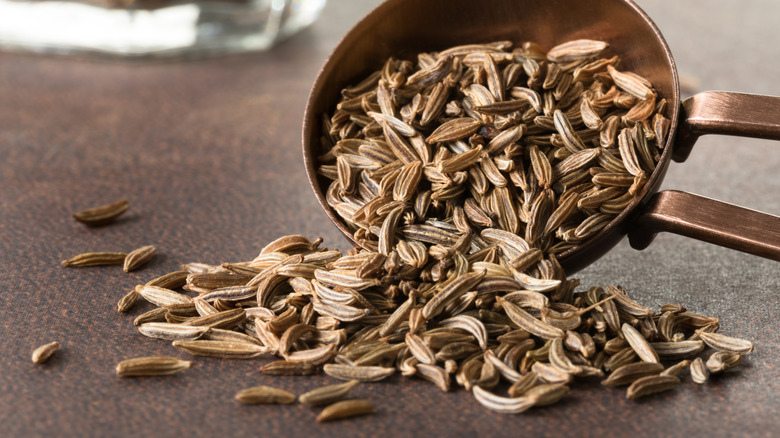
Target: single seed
x=44, y=352
x=727, y=343
x=722, y=361
x=95, y=259
x=359, y=373
x=265, y=395
x=102, y=215
x=651, y=385
x=699, y=372
x=137, y=258
x=327, y=394
x=346, y=409
x=151, y=366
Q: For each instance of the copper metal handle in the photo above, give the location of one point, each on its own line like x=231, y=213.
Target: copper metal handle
x=726, y=113
x=708, y=220
x=715, y=112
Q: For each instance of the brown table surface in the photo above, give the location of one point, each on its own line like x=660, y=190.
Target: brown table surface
x=208, y=153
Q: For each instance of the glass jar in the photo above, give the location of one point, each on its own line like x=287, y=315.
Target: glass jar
x=151, y=28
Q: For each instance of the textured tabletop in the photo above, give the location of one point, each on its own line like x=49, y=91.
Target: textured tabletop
x=208, y=153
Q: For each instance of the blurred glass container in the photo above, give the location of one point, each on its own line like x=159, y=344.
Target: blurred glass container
x=151, y=28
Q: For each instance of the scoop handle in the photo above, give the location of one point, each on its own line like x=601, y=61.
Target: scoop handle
x=726, y=113
x=686, y=214
x=708, y=220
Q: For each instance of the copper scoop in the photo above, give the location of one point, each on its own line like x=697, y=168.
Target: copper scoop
x=403, y=28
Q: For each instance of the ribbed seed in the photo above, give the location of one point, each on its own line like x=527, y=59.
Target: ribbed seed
x=722, y=361
x=95, y=259
x=128, y=301
x=575, y=50
x=359, y=373
x=677, y=350
x=165, y=297
x=677, y=368
x=224, y=349
x=454, y=129
x=265, y=395
x=453, y=290
x=728, y=343
x=172, y=332
x=529, y=323
x=628, y=373
x=327, y=394
x=503, y=405
x=630, y=83
x=138, y=257
x=44, y=352
x=434, y=374
x=547, y=393
x=699, y=372
x=651, y=385
x=171, y=280
x=151, y=366
x=103, y=214
x=639, y=344
x=287, y=368
x=346, y=409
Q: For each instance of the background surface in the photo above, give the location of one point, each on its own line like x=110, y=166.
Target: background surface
x=208, y=153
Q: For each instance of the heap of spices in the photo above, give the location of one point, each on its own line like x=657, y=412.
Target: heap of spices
x=481, y=324
x=548, y=146
x=461, y=175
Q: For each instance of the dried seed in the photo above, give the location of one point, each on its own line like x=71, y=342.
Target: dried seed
x=575, y=50
x=628, y=373
x=651, y=385
x=286, y=368
x=727, y=343
x=450, y=292
x=138, y=257
x=359, y=373
x=151, y=366
x=44, y=352
x=547, y=393
x=505, y=370
x=265, y=395
x=128, y=301
x=434, y=374
x=419, y=349
x=346, y=409
x=224, y=349
x=639, y=344
x=154, y=315
x=570, y=138
x=522, y=385
x=630, y=83
x=699, y=372
x=503, y=405
x=470, y=324
x=677, y=368
x=454, y=129
x=216, y=334
x=677, y=350
x=529, y=323
x=171, y=280
x=722, y=361
x=172, y=332
x=95, y=259
x=327, y=394
x=102, y=215
x=165, y=297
